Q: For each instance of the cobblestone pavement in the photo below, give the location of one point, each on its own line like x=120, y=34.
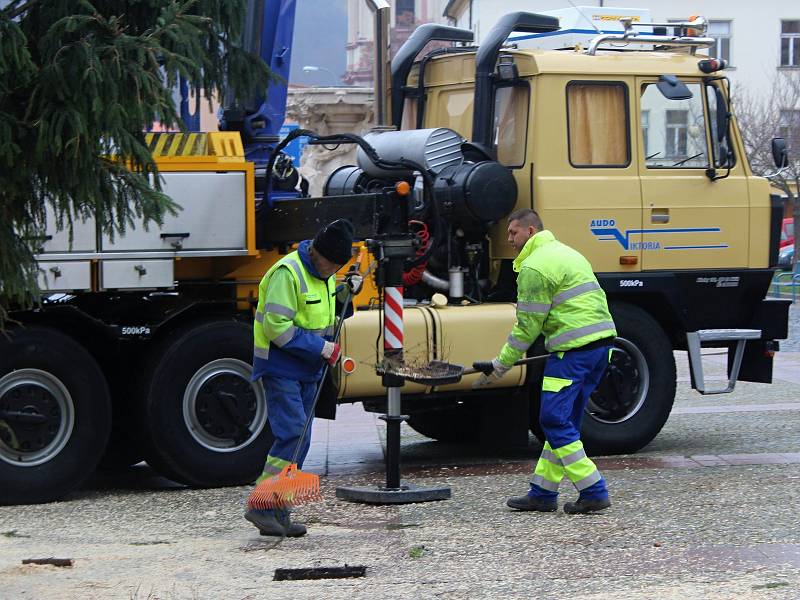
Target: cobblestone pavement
x=708, y=510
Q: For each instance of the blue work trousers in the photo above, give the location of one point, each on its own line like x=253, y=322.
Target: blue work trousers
x=561, y=412
x=289, y=403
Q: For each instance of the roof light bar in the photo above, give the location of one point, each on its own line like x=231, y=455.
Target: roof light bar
x=631, y=37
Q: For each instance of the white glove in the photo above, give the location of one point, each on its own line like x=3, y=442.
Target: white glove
x=331, y=352
x=498, y=370
x=353, y=282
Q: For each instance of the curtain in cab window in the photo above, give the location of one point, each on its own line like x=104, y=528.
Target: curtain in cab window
x=597, y=117
x=511, y=124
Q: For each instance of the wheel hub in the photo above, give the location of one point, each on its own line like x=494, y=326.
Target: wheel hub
x=226, y=406
x=223, y=410
x=623, y=389
x=36, y=417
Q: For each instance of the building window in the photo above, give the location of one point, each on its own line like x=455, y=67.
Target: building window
x=645, y=130
x=404, y=13
x=597, y=121
x=790, y=43
x=789, y=128
x=677, y=132
x=721, y=32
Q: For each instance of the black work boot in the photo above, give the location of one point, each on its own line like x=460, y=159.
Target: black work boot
x=266, y=522
x=537, y=503
x=292, y=529
x=586, y=505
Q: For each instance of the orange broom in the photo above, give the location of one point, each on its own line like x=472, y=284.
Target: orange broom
x=292, y=487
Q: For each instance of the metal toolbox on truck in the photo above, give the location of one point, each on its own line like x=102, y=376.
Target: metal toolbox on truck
x=211, y=217
x=84, y=236
x=127, y=274
x=64, y=276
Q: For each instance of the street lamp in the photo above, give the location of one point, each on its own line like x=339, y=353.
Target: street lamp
x=314, y=69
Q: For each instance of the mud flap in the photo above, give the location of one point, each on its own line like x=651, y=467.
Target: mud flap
x=757, y=361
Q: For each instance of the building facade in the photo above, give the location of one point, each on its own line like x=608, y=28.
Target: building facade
x=406, y=16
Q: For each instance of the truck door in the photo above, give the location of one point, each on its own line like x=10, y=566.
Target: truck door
x=690, y=220
x=586, y=179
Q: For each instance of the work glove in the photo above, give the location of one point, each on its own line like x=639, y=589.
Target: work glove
x=491, y=372
x=353, y=281
x=331, y=352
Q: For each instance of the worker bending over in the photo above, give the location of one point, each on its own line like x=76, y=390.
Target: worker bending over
x=293, y=334
x=558, y=296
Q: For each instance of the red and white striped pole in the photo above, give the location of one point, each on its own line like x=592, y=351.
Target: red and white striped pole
x=393, y=322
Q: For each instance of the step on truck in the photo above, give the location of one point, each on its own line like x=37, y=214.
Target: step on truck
x=625, y=143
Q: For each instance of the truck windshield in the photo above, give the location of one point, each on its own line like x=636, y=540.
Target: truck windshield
x=674, y=131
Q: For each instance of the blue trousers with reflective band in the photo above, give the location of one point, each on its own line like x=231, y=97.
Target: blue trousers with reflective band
x=561, y=411
x=288, y=405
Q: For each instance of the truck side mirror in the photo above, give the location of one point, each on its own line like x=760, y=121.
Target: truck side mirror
x=779, y=154
x=673, y=88
x=722, y=115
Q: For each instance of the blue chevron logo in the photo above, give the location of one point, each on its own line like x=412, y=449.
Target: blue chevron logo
x=605, y=231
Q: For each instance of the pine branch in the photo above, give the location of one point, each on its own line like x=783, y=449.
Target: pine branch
x=13, y=13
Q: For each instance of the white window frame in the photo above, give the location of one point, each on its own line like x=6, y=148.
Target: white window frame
x=677, y=132
x=645, y=125
x=794, y=41
x=715, y=50
x=789, y=127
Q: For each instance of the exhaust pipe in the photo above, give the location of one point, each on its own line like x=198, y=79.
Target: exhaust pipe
x=381, y=12
x=404, y=59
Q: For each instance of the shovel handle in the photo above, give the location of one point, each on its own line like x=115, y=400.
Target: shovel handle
x=522, y=361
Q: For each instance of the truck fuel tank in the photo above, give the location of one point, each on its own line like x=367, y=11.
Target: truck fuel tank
x=458, y=334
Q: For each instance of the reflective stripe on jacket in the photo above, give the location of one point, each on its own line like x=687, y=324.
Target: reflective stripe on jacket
x=557, y=296
x=296, y=312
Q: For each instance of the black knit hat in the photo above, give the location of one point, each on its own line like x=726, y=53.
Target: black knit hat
x=335, y=241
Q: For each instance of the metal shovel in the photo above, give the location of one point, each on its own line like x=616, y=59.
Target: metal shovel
x=439, y=372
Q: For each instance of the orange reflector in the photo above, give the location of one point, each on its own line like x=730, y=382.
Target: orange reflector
x=628, y=260
x=692, y=32
x=402, y=187
x=348, y=365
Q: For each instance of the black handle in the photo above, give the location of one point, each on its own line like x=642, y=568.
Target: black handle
x=484, y=366
x=174, y=235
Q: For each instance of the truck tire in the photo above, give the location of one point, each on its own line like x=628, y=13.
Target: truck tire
x=634, y=399
x=203, y=422
x=458, y=425
x=55, y=415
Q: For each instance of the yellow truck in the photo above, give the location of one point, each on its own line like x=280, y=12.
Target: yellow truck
x=142, y=345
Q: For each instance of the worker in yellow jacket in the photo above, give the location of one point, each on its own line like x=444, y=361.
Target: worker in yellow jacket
x=293, y=339
x=559, y=297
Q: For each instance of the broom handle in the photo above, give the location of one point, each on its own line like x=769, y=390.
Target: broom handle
x=523, y=361
x=321, y=381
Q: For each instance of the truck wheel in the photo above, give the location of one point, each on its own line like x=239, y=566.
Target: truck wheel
x=459, y=424
x=634, y=399
x=55, y=415
x=203, y=422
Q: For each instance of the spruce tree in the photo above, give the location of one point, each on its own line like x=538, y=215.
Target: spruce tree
x=80, y=82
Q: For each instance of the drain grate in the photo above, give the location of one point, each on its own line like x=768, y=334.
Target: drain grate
x=320, y=573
